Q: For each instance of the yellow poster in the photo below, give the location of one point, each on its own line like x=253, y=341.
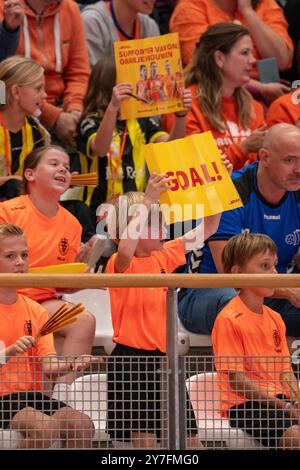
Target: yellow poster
x=153, y=67
x=200, y=183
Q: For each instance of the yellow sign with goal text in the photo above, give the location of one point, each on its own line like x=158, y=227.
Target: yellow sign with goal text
x=153, y=67
x=200, y=183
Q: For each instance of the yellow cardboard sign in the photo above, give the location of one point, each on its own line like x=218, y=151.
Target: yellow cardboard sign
x=153, y=67
x=201, y=184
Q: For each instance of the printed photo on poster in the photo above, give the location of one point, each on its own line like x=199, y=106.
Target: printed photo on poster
x=153, y=67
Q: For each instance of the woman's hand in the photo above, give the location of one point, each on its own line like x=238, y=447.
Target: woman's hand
x=271, y=91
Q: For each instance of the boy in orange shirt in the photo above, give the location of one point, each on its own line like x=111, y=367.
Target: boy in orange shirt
x=23, y=406
x=255, y=379
x=139, y=316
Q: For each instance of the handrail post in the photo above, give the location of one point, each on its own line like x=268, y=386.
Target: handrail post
x=173, y=382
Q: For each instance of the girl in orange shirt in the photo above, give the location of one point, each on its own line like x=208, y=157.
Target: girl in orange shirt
x=221, y=68
x=53, y=237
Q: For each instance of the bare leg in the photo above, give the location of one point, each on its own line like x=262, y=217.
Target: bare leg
x=290, y=439
x=39, y=430
x=76, y=428
x=74, y=339
x=144, y=440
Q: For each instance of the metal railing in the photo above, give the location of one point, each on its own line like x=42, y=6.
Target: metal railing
x=175, y=418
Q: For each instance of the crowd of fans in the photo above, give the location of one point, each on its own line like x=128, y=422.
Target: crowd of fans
x=61, y=115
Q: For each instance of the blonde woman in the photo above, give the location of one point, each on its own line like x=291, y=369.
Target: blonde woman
x=20, y=130
x=220, y=70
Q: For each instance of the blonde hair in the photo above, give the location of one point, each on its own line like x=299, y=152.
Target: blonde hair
x=241, y=248
x=122, y=209
x=205, y=73
x=19, y=71
x=10, y=230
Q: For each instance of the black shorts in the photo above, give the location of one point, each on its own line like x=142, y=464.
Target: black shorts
x=265, y=424
x=135, y=393
x=11, y=404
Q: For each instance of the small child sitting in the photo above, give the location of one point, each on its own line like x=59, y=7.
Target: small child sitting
x=257, y=387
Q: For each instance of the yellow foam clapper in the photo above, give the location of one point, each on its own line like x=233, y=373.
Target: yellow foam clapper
x=67, y=268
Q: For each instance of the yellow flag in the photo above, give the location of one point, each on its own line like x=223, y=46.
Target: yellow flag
x=201, y=184
x=153, y=67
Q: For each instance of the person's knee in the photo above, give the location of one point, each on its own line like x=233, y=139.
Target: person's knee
x=45, y=432
x=291, y=438
x=89, y=323
x=200, y=307
x=80, y=426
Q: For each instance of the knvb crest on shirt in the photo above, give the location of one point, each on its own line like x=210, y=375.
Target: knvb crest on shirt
x=63, y=246
x=277, y=340
x=27, y=328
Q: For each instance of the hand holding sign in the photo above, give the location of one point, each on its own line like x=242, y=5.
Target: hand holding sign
x=153, y=67
x=198, y=178
x=157, y=184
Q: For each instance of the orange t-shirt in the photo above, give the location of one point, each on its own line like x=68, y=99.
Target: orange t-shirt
x=51, y=240
x=249, y=339
x=191, y=19
x=284, y=110
x=139, y=314
x=23, y=372
x=229, y=140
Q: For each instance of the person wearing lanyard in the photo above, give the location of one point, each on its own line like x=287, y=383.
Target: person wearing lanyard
x=220, y=70
x=112, y=147
x=116, y=20
x=20, y=130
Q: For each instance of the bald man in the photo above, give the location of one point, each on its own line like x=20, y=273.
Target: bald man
x=270, y=191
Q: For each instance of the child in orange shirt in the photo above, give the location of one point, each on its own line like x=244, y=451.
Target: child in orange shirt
x=23, y=406
x=139, y=315
x=53, y=236
x=255, y=378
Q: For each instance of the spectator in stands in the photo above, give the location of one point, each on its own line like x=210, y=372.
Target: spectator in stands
x=113, y=147
x=10, y=27
x=285, y=109
x=23, y=405
x=20, y=130
x=139, y=315
x=116, y=20
x=53, y=236
x=263, y=18
x=257, y=386
x=53, y=36
x=220, y=70
x=270, y=192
